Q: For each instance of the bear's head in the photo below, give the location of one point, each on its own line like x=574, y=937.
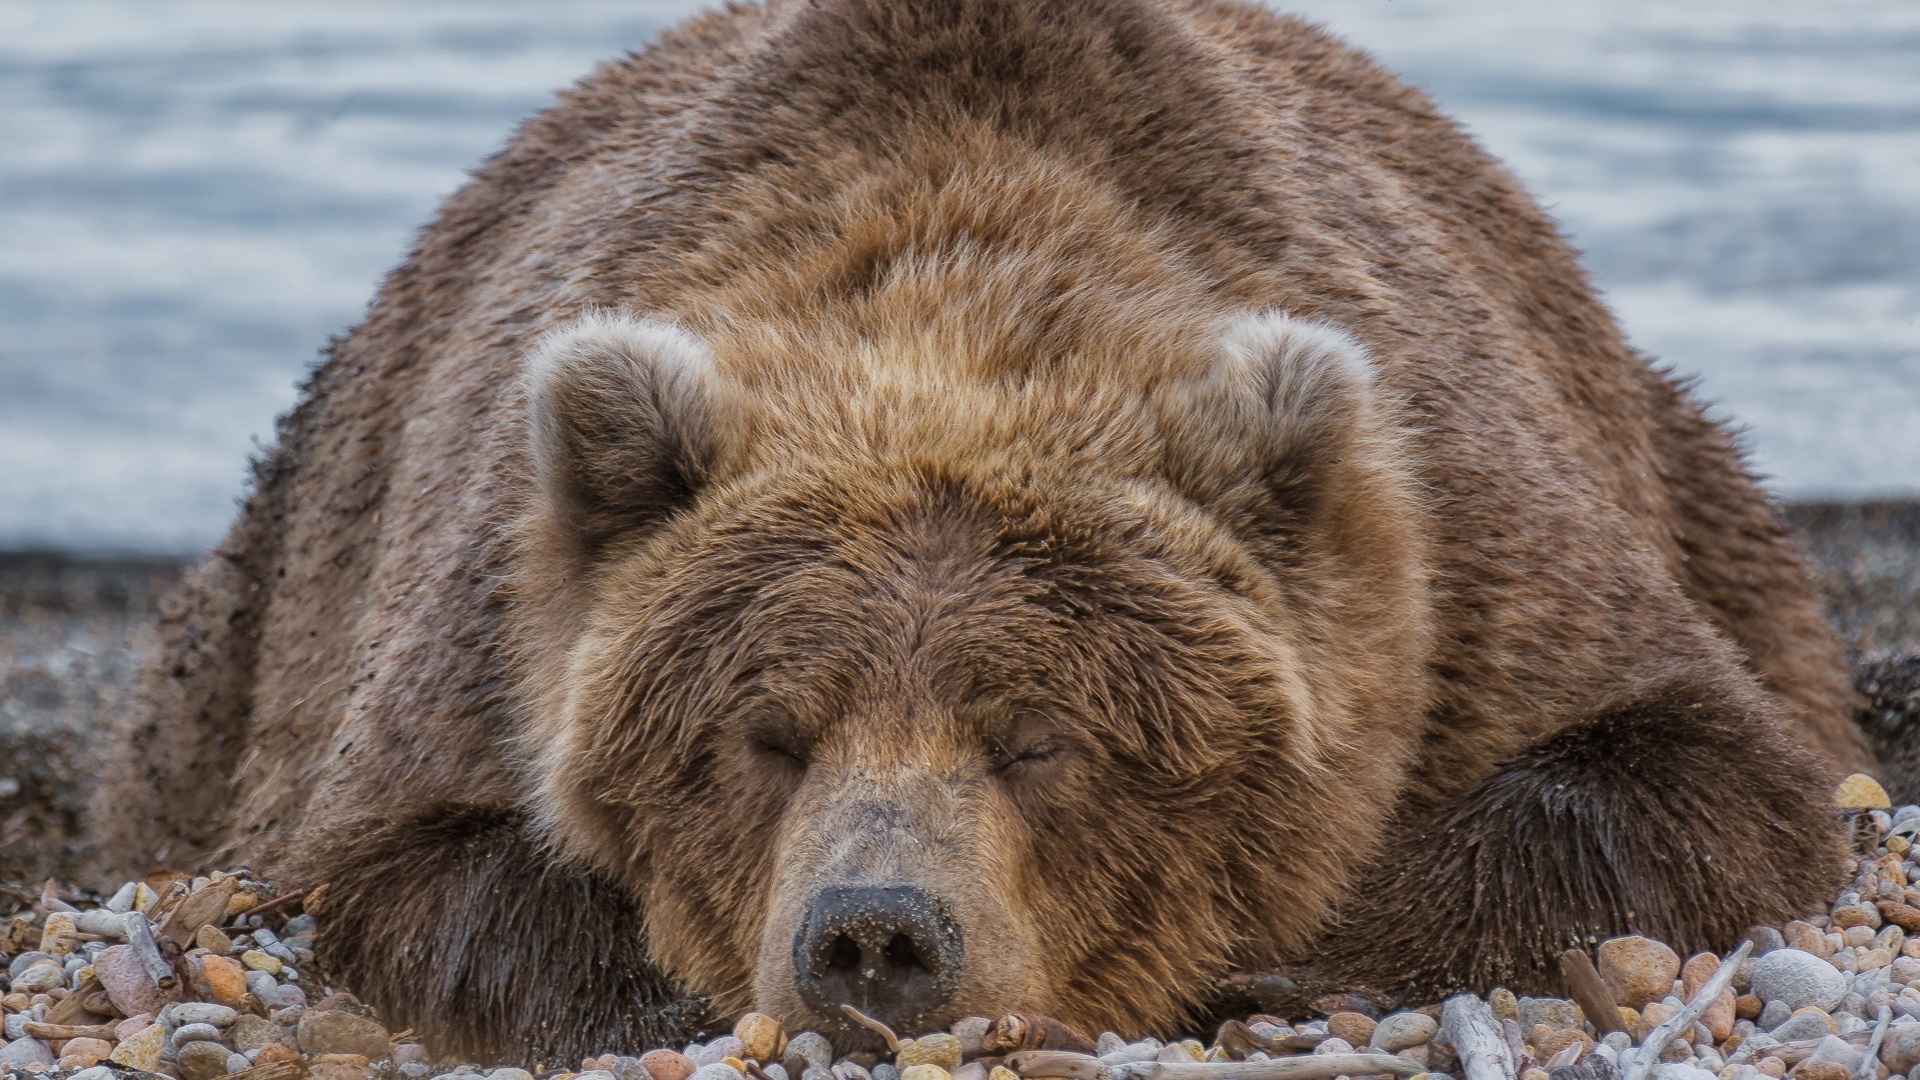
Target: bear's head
x=945, y=697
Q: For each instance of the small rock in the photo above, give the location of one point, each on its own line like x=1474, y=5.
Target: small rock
x=414, y=1070
x=938, y=1048
x=629, y=1068
x=1354, y=1027
x=127, y=983
x=250, y=1032
x=1900, y=1050
x=187, y=1033
x=212, y=939
x=84, y=1053
x=1861, y=792
x=1747, y=1007
x=202, y=1012
x=1555, y=1013
x=1719, y=1015
x=1680, y=1072
x=512, y=1074
x=1637, y=969
x=26, y=1050
x=1765, y=939
x=259, y=960
x=1821, y=1070
x=203, y=1060
x=673, y=1065
x=761, y=1037
x=339, y=1067
x=1398, y=1031
x=237, y=1062
x=716, y=1071
x=1504, y=1005
x=1109, y=1042
x=273, y=1052
x=1333, y=1044
x=41, y=977
x=218, y=978
x=409, y=1051
x=141, y=1050
x=98, y=1072
x=923, y=1072
x=1798, y=979
x=1804, y=1024
x=1851, y=915
x=1836, y=1049
x=336, y=1031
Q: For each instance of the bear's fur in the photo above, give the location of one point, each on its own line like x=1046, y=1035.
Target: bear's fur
x=1132, y=468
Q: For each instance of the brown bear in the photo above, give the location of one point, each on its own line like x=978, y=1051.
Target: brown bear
x=961, y=505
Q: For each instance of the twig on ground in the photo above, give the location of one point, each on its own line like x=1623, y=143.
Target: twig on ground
x=1638, y=1063
x=1477, y=1038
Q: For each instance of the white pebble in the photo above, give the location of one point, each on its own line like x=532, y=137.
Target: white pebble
x=1797, y=979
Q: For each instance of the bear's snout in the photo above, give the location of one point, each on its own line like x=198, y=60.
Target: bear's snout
x=892, y=951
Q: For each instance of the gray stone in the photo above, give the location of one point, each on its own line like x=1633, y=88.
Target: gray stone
x=594, y=1074
x=250, y=1032
x=1401, y=1030
x=1798, y=979
x=333, y=1031
x=263, y=986
x=15, y=1026
x=726, y=1046
x=716, y=1071
x=629, y=1068
x=237, y=1062
x=27, y=1050
x=808, y=1048
x=202, y=1012
x=777, y=1071
x=1836, y=1049
x=97, y=1072
x=1900, y=1050
x=509, y=1074
x=414, y=1070
x=26, y=960
x=40, y=977
x=1144, y=1050
x=1765, y=940
x=1773, y=1014
x=1555, y=1013
x=1109, y=1042
x=192, y=1033
x=815, y=1072
x=1802, y=1026
x=1681, y=1072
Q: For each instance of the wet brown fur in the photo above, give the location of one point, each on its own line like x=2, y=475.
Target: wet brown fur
x=1413, y=683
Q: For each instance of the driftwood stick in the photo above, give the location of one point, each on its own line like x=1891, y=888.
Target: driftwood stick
x=1590, y=992
x=1869, y=1067
x=140, y=936
x=278, y=901
x=1638, y=1063
x=1477, y=1038
x=69, y=1031
x=1065, y=1064
x=1307, y=1067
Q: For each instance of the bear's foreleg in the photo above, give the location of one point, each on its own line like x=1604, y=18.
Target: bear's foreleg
x=1679, y=814
x=461, y=924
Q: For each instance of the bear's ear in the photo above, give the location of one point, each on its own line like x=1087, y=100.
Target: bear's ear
x=1287, y=401
x=621, y=425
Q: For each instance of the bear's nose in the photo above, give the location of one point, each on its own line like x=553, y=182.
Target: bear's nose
x=891, y=951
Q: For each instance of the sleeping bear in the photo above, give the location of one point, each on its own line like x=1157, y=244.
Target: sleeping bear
x=954, y=506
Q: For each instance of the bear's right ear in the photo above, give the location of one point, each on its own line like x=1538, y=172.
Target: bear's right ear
x=621, y=424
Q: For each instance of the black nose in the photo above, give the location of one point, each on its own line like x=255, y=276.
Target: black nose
x=891, y=951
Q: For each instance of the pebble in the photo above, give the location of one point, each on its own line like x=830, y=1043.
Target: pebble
x=760, y=1036
x=336, y=1031
x=203, y=1060
x=187, y=1033
x=1798, y=979
x=923, y=1072
x=1861, y=792
x=1402, y=1030
x=1355, y=1028
x=1637, y=969
x=806, y=1048
x=259, y=960
x=141, y=1050
x=1718, y=1016
x=509, y=1074
x=219, y=979
x=26, y=1050
x=98, y=1072
x=127, y=983
x=717, y=1071
x=84, y=1053
x=250, y=1032
x=670, y=1064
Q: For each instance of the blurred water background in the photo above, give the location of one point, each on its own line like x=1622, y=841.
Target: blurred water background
x=195, y=194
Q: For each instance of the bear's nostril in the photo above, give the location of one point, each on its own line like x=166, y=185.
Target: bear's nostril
x=902, y=952
x=892, y=951
x=844, y=953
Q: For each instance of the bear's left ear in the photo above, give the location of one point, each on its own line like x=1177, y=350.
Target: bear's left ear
x=1286, y=403
x=621, y=424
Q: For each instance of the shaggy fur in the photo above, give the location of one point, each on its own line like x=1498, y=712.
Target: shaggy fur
x=1132, y=470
